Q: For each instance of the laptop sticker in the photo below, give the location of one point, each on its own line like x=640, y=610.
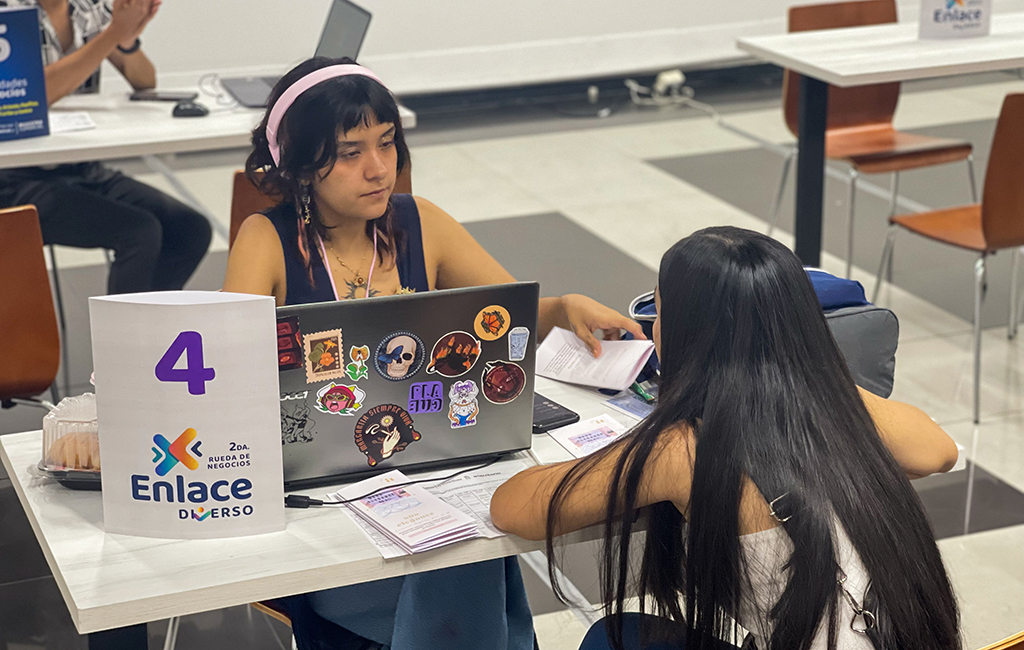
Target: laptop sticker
x=426, y=397
x=454, y=354
x=383, y=431
x=289, y=343
x=340, y=399
x=464, y=405
x=492, y=323
x=357, y=369
x=399, y=356
x=518, y=339
x=502, y=381
x=325, y=356
x=296, y=425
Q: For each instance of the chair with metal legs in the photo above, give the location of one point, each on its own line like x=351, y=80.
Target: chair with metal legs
x=859, y=130
x=995, y=224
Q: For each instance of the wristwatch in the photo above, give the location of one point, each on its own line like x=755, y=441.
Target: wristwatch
x=131, y=50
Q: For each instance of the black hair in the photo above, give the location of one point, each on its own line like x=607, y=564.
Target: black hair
x=749, y=366
x=308, y=141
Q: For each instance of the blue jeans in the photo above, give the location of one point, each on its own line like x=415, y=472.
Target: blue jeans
x=597, y=636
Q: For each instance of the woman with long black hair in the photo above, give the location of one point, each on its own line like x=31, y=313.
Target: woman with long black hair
x=775, y=492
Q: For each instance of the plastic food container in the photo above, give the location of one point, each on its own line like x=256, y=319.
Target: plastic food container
x=71, y=443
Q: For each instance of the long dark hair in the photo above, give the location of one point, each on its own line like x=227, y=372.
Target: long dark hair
x=308, y=136
x=749, y=365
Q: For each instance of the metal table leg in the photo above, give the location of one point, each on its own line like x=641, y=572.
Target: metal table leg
x=810, y=169
x=133, y=637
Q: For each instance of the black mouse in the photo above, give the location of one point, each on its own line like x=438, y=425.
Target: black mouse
x=189, y=109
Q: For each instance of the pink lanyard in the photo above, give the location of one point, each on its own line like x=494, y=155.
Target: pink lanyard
x=327, y=266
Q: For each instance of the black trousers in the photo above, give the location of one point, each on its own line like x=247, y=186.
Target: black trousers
x=157, y=240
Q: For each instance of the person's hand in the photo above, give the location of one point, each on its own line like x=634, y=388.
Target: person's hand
x=130, y=17
x=585, y=316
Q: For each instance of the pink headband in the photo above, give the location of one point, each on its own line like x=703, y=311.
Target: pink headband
x=301, y=86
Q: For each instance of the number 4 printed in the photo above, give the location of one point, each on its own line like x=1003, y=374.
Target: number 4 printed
x=194, y=374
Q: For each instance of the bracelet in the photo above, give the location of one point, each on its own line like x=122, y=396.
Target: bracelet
x=131, y=50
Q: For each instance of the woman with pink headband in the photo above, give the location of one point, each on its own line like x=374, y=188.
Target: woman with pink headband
x=331, y=147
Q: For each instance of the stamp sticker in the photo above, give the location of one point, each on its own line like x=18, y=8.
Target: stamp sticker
x=464, y=404
x=502, y=381
x=340, y=399
x=324, y=355
x=454, y=354
x=518, y=339
x=357, y=369
x=426, y=397
x=399, y=356
x=296, y=425
x=384, y=431
x=289, y=343
x=492, y=322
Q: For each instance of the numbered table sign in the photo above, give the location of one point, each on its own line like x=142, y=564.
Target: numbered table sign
x=189, y=422
x=23, y=110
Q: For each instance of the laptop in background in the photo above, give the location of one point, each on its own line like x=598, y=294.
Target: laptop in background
x=342, y=36
x=413, y=381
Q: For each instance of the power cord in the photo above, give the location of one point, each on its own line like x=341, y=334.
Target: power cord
x=209, y=85
x=302, y=501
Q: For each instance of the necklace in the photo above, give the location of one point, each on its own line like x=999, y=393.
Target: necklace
x=359, y=279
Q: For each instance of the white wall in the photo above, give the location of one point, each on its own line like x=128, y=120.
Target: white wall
x=420, y=46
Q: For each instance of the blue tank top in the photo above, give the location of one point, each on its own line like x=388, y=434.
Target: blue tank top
x=412, y=270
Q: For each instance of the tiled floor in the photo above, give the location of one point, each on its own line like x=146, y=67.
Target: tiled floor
x=598, y=176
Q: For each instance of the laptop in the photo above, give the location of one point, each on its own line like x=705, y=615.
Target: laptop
x=416, y=381
x=342, y=36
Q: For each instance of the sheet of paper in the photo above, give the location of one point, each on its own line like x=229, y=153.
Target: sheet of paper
x=407, y=515
x=585, y=437
x=471, y=492
x=65, y=122
x=632, y=404
x=564, y=357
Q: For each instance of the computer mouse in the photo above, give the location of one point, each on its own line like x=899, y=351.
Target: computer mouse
x=189, y=109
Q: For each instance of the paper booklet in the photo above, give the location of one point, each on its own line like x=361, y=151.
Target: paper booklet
x=410, y=517
x=585, y=437
x=565, y=357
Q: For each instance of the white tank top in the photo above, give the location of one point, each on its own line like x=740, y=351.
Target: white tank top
x=765, y=554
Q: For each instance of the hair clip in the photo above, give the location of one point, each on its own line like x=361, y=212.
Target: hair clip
x=771, y=509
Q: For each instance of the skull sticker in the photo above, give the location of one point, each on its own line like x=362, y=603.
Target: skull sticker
x=399, y=356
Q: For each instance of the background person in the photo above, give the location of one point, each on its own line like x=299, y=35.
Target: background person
x=157, y=241
x=776, y=491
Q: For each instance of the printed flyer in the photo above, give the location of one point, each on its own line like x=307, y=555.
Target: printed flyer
x=23, y=111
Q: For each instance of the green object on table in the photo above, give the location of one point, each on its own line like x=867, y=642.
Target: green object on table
x=643, y=394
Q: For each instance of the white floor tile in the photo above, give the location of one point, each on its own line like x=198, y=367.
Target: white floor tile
x=467, y=190
x=559, y=631
x=997, y=444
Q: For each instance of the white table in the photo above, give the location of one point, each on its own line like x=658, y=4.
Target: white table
x=127, y=129
x=117, y=581
x=868, y=55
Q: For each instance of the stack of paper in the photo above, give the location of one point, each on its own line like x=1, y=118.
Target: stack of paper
x=584, y=438
x=565, y=357
x=409, y=517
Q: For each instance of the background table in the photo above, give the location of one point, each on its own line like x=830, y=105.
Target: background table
x=118, y=581
x=867, y=55
x=146, y=130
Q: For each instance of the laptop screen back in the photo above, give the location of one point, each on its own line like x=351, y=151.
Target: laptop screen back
x=344, y=31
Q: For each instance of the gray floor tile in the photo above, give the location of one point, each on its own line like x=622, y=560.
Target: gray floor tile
x=20, y=556
x=993, y=503
x=564, y=258
x=940, y=274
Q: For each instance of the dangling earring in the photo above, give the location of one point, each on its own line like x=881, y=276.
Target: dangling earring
x=305, y=207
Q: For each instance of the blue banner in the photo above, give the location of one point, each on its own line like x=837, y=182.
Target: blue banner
x=22, y=83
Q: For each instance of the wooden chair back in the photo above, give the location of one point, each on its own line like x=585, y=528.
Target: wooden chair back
x=847, y=107
x=247, y=199
x=1015, y=642
x=1002, y=204
x=30, y=345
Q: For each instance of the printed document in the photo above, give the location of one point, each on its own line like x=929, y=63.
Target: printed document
x=584, y=438
x=565, y=357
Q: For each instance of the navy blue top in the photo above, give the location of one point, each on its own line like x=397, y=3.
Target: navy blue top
x=412, y=270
